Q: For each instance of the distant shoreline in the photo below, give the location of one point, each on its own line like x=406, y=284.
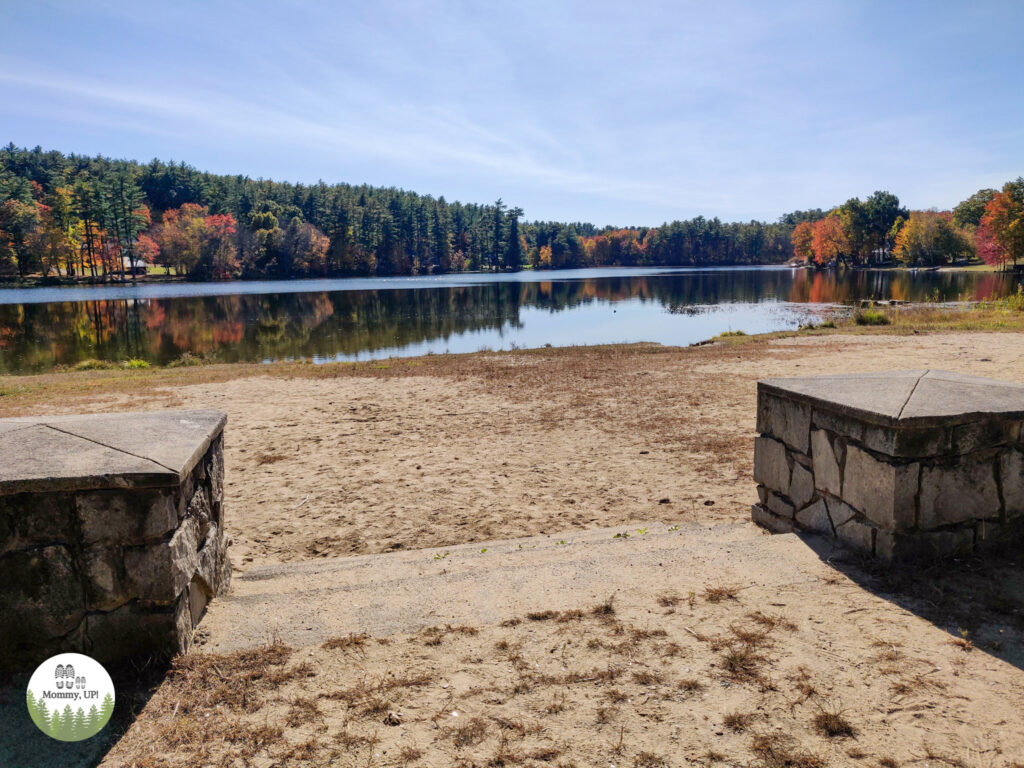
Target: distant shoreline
x=35, y=281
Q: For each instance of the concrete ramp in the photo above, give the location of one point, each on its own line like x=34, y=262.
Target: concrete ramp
x=304, y=603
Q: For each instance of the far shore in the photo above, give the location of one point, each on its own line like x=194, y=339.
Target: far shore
x=161, y=275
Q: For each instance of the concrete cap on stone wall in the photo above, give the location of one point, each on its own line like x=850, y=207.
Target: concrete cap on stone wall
x=126, y=450
x=921, y=398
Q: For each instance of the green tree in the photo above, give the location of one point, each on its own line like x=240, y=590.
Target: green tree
x=514, y=245
x=79, y=728
x=970, y=211
x=106, y=709
x=67, y=724
x=92, y=720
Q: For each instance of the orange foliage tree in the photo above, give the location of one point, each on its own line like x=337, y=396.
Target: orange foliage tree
x=829, y=240
x=803, y=241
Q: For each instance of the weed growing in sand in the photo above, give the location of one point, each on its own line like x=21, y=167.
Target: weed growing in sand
x=441, y=556
x=831, y=721
x=777, y=750
x=718, y=594
x=346, y=642
x=737, y=721
x=470, y=733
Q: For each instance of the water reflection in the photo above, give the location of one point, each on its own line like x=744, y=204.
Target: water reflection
x=674, y=308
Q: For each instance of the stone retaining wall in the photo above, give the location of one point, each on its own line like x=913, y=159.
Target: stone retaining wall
x=116, y=571
x=878, y=471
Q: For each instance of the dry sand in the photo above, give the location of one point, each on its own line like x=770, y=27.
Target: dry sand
x=446, y=451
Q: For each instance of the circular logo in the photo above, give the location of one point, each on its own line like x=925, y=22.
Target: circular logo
x=70, y=697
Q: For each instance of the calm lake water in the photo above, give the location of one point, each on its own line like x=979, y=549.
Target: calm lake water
x=361, y=318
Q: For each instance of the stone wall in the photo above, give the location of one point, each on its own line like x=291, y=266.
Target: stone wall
x=112, y=572
x=891, y=488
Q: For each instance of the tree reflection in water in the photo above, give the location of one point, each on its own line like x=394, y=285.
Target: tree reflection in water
x=344, y=324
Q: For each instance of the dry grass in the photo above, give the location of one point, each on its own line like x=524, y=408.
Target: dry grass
x=776, y=750
x=737, y=721
x=831, y=721
x=720, y=593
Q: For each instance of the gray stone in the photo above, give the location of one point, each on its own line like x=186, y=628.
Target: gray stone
x=906, y=442
x=198, y=597
x=115, y=515
x=762, y=494
x=1011, y=477
x=208, y=568
x=858, y=535
x=28, y=519
x=815, y=518
x=199, y=509
x=785, y=420
x=801, y=486
x=826, y=467
x=105, y=589
x=771, y=466
x=979, y=435
x=41, y=598
x=780, y=506
x=839, y=511
x=216, y=469
x=883, y=492
x=766, y=519
x=161, y=572
x=956, y=494
x=837, y=424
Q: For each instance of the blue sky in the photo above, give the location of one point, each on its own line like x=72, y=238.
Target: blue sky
x=612, y=112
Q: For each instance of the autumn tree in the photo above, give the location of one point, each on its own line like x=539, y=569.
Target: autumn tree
x=931, y=238
x=803, y=241
x=829, y=241
x=1000, y=234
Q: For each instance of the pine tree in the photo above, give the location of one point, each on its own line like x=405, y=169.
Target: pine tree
x=79, y=725
x=54, y=724
x=106, y=710
x=67, y=724
x=92, y=721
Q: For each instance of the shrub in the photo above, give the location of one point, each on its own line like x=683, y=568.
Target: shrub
x=135, y=363
x=870, y=317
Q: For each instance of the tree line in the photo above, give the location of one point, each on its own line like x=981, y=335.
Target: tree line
x=103, y=219
x=989, y=224
x=96, y=218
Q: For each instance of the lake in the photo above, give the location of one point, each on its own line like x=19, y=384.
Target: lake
x=361, y=318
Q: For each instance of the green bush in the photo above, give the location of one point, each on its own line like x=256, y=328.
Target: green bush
x=135, y=363
x=870, y=317
x=724, y=334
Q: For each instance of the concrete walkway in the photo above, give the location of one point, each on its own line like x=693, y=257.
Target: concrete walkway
x=304, y=603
